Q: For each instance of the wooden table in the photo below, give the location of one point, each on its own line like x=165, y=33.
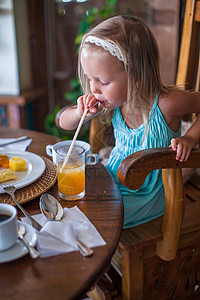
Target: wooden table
x=66, y=276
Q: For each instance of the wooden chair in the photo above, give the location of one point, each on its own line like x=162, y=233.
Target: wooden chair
x=161, y=259
x=16, y=106
x=161, y=256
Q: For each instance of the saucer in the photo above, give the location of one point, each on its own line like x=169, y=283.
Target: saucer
x=18, y=249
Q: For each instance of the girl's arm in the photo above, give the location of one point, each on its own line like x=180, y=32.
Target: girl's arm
x=187, y=103
x=186, y=143
x=70, y=117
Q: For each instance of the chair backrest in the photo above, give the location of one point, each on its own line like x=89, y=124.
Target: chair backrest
x=188, y=73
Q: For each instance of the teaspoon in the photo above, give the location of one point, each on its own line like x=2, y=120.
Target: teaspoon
x=21, y=232
x=53, y=210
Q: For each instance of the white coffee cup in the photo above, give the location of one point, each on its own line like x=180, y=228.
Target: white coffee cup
x=51, y=150
x=8, y=226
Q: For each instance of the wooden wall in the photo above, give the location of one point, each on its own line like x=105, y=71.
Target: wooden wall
x=163, y=18
x=36, y=26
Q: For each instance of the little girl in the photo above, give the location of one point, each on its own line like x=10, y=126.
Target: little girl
x=119, y=73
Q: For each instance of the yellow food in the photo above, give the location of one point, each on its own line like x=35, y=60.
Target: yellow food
x=7, y=174
x=17, y=164
x=4, y=162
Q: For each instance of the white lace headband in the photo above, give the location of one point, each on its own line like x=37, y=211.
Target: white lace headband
x=107, y=45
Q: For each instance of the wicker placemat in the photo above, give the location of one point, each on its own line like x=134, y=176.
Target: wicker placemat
x=35, y=189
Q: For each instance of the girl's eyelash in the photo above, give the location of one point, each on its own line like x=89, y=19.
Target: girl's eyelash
x=104, y=83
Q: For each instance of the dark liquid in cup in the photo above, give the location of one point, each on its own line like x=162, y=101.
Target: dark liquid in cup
x=4, y=217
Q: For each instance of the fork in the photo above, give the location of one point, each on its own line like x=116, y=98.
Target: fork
x=10, y=189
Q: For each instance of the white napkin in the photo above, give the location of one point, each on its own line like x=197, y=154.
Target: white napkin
x=19, y=146
x=58, y=237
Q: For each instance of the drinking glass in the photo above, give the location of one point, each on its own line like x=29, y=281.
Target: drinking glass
x=71, y=171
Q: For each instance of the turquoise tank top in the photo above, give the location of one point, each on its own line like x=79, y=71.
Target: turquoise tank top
x=148, y=202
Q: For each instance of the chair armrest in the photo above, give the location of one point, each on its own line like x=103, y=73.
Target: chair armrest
x=135, y=168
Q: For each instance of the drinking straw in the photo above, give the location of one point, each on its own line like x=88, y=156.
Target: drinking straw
x=74, y=139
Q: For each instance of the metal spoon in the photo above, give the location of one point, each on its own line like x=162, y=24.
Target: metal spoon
x=32, y=251
x=53, y=210
x=50, y=207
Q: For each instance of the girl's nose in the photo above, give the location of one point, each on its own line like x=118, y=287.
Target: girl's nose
x=94, y=87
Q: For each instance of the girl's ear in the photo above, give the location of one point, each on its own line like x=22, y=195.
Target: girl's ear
x=137, y=85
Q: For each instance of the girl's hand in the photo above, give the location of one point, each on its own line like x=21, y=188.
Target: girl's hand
x=87, y=102
x=70, y=117
x=183, y=146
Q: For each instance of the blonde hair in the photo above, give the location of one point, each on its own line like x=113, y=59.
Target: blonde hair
x=139, y=47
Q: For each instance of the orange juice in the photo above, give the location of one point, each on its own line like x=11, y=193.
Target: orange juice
x=71, y=179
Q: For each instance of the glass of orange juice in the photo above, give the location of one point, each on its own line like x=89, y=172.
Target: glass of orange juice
x=71, y=173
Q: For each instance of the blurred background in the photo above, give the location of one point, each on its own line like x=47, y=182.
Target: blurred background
x=39, y=40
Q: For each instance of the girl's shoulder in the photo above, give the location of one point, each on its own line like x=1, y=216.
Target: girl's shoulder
x=178, y=103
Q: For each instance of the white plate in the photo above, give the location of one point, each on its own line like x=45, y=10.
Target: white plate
x=19, y=250
x=35, y=167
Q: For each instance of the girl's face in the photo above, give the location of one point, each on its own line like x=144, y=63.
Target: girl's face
x=106, y=75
